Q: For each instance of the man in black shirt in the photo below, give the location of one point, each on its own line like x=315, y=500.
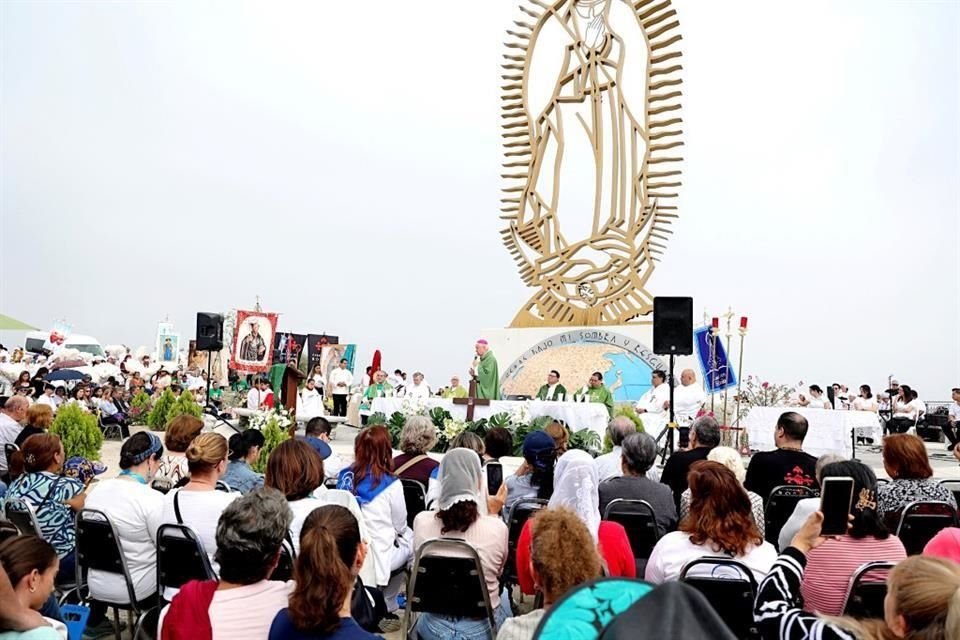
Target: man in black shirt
x=704, y=436
x=788, y=464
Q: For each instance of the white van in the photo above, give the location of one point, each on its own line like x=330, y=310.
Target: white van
x=36, y=342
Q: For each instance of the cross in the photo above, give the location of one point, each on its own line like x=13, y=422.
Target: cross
x=472, y=401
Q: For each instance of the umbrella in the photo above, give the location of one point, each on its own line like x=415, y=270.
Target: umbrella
x=12, y=324
x=65, y=375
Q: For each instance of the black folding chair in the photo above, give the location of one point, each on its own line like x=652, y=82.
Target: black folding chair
x=730, y=591
x=180, y=559
x=22, y=515
x=288, y=557
x=640, y=522
x=108, y=428
x=953, y=486
x=8, y=530
x=223, y=486
x=779, y=507
x=866, y=591
x=438, y=565
x=920, y=521
x=99, y=549
x=415, y=496
x=517, y=517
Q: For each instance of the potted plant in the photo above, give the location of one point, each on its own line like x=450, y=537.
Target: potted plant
x=78, y=431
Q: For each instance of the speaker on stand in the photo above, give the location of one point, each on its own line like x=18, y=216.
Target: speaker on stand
x=672, y=336
x=209, y=339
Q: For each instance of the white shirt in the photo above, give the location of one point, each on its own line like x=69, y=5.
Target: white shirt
x=244, y=613
x=865, y=404
x=340, y=376
x=9, y=430
x=136, y=511
x=609, y=464
x=909, y=410
x=386, y=519
x=652, y=401
x=200, y=511
x=818, y=403
x=50, y=401
x=675, y=550
x=255, y=398
x=309, y=403
x=954, y=412
x=418, y=391
x=687, y=402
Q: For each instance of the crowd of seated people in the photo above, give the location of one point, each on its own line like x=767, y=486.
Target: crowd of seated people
x=352, y=547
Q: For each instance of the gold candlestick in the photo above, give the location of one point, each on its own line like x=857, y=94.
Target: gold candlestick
x=743, y=333
x=726, y=391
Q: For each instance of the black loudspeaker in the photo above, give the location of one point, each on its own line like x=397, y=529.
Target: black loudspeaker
x=209, y=331
x=673, y=326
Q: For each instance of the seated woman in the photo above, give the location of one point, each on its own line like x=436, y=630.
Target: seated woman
x=54, y=498
x=460, y=517
x=325, y=572
x=39, y=419
x=370, y=479
x=178, y=435
x=638, y=453
x=575, y=481
x=921, y=600
x=136, y=512
x=468, y=440
x=198, y=504
x=731, y=459
x=720, y=523
x=534, y=478
x=831, y=564
x=243, y=604
x=32, y=564
x=563, y=556
x=905, y=461
x=417, y=438
x=244, y=451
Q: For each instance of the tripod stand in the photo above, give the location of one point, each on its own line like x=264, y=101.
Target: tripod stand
x=671, y=425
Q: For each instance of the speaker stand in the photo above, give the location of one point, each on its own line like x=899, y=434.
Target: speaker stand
x=209, y=374
x=670, y=426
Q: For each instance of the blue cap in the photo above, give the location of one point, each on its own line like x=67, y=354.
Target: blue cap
x=536, y=446
x=321, y=447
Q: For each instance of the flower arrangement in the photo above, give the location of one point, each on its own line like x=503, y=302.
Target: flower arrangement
x=275, y=426
x=761, y=393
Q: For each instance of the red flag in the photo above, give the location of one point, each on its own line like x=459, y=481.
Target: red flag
x=375, y=364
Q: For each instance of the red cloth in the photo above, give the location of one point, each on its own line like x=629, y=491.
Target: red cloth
x=614, y=549
x=268, y=401
x=189, y=612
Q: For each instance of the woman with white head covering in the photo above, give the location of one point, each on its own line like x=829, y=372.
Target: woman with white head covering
x=463, y=516
x=575, y=484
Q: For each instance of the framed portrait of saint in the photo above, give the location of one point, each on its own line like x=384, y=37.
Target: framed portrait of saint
x=252, y=350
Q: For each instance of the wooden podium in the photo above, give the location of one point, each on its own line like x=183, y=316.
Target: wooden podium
x=289, y=389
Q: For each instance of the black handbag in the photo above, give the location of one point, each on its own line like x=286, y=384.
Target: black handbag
x=367, y=606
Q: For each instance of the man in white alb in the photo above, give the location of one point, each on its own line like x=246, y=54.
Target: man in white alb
x=338, y=385
x=687, y=398
x=258, y=394
x=310, y=404
x=655, y=400
x=419, y=389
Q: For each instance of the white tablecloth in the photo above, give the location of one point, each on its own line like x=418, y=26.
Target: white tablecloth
x=576, y=415
x=829, y=430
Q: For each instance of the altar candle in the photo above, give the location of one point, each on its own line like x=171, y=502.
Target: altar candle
x=743, y=322
x=716, y=323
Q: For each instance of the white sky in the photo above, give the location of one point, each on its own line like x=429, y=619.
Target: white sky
x=341, y=160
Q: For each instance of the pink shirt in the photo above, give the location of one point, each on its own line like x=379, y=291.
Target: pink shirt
x=488, y=535
x=831, y=565
x=245, y=613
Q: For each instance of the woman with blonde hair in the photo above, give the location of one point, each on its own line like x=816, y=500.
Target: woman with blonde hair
x=178, y=435
x=923, y=599
x=198, y=504
x=39, y=419
x=731, y=459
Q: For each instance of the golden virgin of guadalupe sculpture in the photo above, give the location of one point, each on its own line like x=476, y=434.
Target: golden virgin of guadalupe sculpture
x=591, y=132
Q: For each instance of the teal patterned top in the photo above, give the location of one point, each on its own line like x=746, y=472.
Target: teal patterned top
x=47, y=493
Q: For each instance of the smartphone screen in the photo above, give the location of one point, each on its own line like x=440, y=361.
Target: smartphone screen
x=835, y=501
x=494, y=477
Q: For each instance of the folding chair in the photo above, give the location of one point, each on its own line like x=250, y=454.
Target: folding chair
x=865, y=597
x=415, y=496
x=107, y=429
x=99, y=549
x=731, y=596
x=954, y=487
x=517, y=517
x=920, y=521
x=640, y=521
x=8, y=530
x=288, y=557
x=438, y=565
x=779, y=507
x=14, y=461
x=21, y=513
x=223, y=486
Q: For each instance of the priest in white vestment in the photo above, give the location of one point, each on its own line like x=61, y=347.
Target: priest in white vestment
x=309, y=401
x=655, y=400
x=419, y=388
x=687, y=398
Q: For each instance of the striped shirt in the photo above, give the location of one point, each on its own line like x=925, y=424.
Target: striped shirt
x=831, y=565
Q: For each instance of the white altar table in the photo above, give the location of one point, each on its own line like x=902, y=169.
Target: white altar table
x=576, y=415
x=829, y=430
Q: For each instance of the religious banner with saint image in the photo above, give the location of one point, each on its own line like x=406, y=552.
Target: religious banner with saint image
x=288, y=346
x=718, y=374
x=315, y=344
x=252, y=342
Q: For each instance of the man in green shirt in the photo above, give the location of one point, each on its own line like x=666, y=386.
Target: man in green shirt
x=596, y=392
x=455, y=390
x=379, y=388
x=553, y=390
x=486, y=372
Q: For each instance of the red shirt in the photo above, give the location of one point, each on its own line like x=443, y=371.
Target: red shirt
x=614, y=548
